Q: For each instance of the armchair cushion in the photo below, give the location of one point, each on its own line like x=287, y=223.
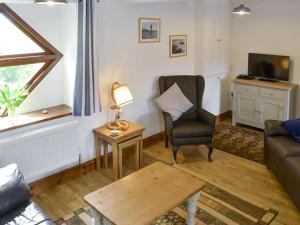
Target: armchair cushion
x=192, y=128
x=14, y=192
x=174, y=102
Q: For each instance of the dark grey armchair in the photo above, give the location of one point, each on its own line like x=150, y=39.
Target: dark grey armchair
x=195, y=127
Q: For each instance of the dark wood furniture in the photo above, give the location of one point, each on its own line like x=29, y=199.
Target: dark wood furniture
x=195, y=127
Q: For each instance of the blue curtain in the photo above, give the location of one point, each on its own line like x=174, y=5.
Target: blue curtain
x=86, y=97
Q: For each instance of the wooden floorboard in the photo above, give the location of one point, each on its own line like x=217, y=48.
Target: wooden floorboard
x=246, y=179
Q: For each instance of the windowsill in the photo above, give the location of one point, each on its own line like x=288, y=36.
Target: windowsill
x=35, y=117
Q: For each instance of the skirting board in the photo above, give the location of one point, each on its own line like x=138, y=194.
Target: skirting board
x=46, y=183
x=223, y=116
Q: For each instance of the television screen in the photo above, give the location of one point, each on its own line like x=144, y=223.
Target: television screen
x=273, y=67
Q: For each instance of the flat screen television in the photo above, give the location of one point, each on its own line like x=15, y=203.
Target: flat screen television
x=269, y=67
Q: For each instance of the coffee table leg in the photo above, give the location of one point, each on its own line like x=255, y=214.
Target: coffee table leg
x=96, y=217
x=192, y=208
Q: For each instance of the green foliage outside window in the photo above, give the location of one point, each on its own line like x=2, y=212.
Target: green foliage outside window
x=13, y=82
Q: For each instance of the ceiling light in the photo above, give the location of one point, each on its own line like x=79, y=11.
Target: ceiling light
x=241, y=10
x=50, y=2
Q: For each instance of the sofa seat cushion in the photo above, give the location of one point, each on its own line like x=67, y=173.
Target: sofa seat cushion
x=192, y=128
x=28, y=214
x=292, y=179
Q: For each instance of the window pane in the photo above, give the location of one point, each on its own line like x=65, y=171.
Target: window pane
x=14, y=41
x=18, y=76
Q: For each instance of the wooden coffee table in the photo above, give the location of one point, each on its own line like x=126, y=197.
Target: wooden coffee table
x=144, y=196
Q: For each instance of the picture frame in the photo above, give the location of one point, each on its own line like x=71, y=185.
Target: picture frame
x=178, y=46
x=149, y=30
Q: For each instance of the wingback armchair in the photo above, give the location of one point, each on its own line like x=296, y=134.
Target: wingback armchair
x=196, y=126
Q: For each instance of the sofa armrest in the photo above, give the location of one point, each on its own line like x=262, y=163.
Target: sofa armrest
x=207, y=117
x=14, y=192
x=169, y=124
x=273, y=128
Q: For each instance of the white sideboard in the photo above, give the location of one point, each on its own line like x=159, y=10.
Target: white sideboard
x=256, y=101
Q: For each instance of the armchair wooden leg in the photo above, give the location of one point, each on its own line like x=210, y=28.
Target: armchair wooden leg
x=175, y=150
x=166, y=141
x=210, y=151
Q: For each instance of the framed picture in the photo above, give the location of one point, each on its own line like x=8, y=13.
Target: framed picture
x=149, y=30
x=178, y=45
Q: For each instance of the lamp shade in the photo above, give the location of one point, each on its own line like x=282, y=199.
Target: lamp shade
x=51, y=2
x=241, y=10
x=122, y=95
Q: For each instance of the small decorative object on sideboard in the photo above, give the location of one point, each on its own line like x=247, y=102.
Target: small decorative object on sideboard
x=121, y=96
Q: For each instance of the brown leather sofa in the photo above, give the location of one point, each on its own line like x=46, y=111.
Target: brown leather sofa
x=282, y=156
x=16, y=208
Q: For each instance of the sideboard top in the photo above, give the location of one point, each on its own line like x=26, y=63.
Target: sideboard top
x=277, y=85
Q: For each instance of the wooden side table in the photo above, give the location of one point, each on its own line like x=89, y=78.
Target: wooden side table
x=132, y=137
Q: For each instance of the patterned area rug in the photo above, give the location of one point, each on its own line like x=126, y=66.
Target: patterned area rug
x=215, y=207
x=239, y=141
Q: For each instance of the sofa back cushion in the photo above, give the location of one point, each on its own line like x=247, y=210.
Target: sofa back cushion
x=14, y=192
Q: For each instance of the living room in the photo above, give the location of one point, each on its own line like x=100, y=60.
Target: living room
x=64, y=133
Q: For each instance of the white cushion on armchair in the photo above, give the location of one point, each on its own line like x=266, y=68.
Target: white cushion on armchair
x=173, y=101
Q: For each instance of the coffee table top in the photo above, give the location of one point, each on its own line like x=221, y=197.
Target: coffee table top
x=145, y=195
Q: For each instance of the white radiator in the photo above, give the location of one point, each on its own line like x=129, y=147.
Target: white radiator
x=42, y=151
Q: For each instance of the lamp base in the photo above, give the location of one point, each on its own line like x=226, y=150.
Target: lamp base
x=118, y=125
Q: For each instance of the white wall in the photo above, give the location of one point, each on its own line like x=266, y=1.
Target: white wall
x=272, y=28
x=124, y=60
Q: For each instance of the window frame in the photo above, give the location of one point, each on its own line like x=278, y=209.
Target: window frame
x=50, y=57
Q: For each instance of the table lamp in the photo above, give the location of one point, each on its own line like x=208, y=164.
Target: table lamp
x=121, y=96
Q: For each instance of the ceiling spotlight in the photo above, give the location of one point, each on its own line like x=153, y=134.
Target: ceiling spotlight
x=50, y=2
x=241, y=10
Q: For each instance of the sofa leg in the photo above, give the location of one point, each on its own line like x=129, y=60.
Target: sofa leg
x=175, y=150
x=210, y=151
x=166, y=141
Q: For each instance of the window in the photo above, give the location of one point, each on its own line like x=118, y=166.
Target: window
x=25, y=56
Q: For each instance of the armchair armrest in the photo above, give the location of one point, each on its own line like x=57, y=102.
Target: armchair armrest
x=273, y=128
x=169, y=124
x=207, y=117
x=14, y=192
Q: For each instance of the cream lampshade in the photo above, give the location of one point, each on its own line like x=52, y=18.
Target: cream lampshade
x=121, y=96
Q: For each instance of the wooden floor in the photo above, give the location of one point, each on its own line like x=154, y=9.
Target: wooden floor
x=246, y=179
